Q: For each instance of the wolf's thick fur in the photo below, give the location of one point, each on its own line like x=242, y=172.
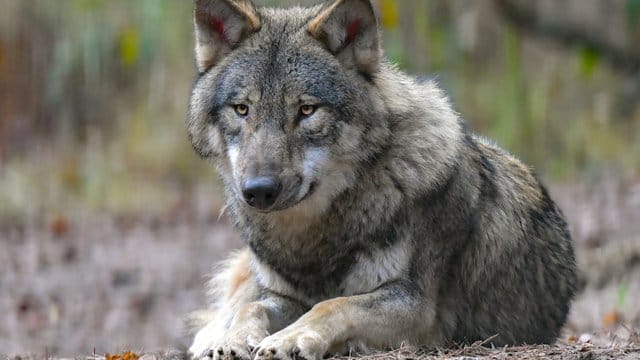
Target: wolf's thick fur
x=386, y=220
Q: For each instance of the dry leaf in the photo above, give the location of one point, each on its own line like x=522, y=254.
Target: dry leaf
x=129, y=355
x=611, y=319
x=59, y=226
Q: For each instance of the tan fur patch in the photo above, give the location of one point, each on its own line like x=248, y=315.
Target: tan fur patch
x=251, y=311
x=315, y=25
x=524, y=181
x=249, y=12
x=528, y=184
x=240, y=273
x=328, y=308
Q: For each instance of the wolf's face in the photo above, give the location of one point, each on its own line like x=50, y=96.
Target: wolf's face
x=284, y=105
x=280, y=114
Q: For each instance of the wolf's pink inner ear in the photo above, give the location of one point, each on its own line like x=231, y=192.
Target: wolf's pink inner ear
x=352, y=30
x=349, y=29
x=218, y=27
x=215, y=24
x=221, y=25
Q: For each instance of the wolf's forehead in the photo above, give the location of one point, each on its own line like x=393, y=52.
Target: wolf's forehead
x=294, y=72
x=296, y=16
x=284, y=24
x=279, y=68
x=282, y=62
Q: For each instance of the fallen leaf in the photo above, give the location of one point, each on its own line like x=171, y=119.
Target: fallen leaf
x=59, y=226
x=129, y=355
x=611, y=319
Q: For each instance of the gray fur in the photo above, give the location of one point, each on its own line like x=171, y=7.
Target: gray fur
x=395, y=222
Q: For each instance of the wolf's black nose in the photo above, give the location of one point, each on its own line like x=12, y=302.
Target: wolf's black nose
x=261, y=192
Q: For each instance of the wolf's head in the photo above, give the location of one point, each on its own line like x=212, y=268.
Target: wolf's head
x=285, y=105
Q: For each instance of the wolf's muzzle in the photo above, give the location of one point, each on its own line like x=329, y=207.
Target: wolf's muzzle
x=261, y=192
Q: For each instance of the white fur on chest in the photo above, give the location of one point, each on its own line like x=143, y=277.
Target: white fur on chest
x=270, y=279
x=368, y=273
x=374, y=269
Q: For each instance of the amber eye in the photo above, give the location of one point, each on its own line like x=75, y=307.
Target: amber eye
x=307, y=110
x=241, y=109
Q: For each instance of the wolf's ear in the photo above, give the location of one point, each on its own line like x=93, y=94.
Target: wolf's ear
x=220, y=26
x=349, y=29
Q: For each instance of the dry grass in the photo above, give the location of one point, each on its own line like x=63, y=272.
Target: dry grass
x=477, y=351
x=583, y=351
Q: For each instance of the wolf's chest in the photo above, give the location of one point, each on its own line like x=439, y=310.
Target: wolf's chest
x=372, y=269
x=301, y=274
x=354, y=272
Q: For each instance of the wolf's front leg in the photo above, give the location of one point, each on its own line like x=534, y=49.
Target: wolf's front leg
x=393, y=313
x=250, y=325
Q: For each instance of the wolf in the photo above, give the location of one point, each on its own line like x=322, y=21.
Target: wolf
x=372, y=215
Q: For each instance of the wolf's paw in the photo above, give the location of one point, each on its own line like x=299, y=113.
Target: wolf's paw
x=292, y=344
x=238, y=345
x=204, y=341
x=233, y=346
x=231, y=349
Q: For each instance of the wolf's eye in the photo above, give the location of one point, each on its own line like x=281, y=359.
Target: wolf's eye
x=307, y=110
x=241, y=109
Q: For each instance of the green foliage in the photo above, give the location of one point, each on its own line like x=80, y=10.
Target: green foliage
x=389, y=14
x=623, y=291
x=589, y=61
x=633, y=10
x=129, y=46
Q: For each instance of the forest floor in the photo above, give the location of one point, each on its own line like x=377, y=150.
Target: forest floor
x=584, y=351
x=87, y=284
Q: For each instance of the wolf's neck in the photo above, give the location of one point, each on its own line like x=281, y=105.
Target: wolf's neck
x=315, y=257
x=362, y=213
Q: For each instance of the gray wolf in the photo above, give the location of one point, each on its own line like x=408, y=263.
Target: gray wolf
x=372, y=214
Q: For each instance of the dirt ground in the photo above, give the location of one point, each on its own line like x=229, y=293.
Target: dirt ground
x=564, y=352
x=86, y=284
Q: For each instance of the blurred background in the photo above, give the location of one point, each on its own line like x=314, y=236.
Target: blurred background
x=109, y=221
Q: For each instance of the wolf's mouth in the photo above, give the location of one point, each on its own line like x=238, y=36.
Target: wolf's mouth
x=281, y=207
x=312, y=189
